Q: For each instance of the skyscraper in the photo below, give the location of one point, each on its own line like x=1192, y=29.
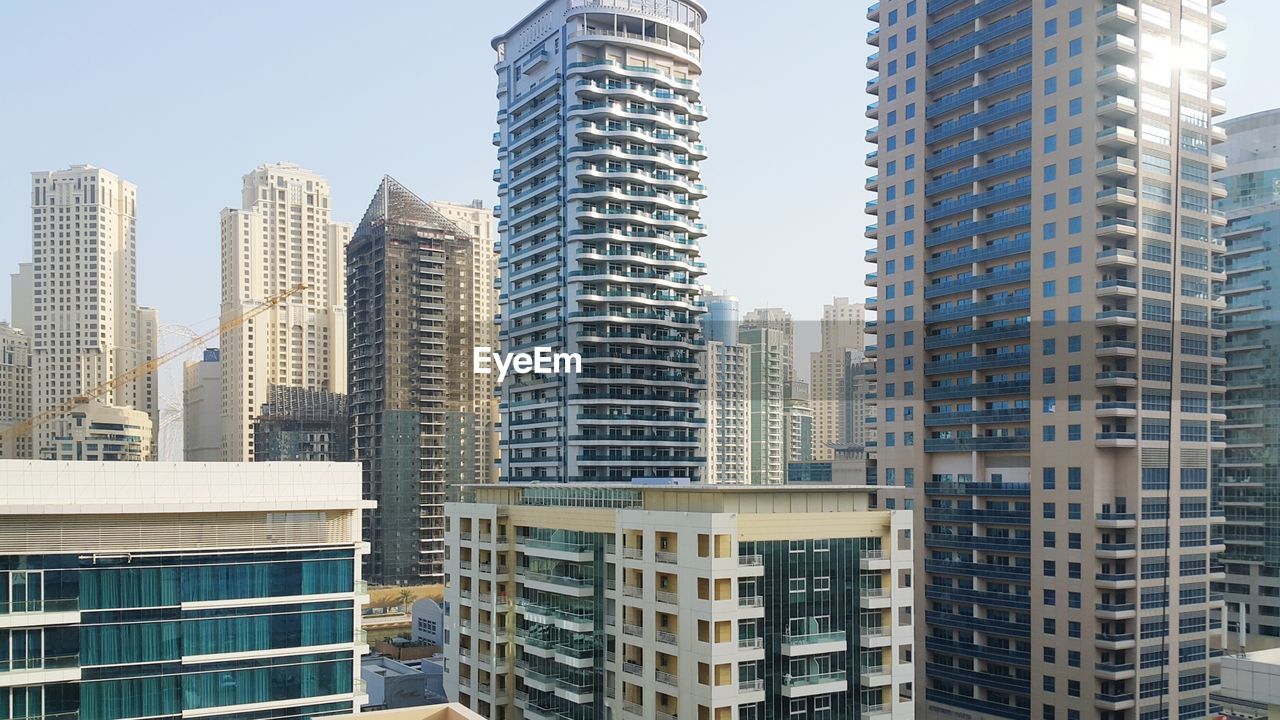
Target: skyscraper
x=728, y=398
x=281, y=236
x=22, y=297
x=843, y=329
x=480, y=454
x=599, y=148
x=766, y=358
x=412, y=395
x=781, y=322
x=1248, y=475
x=1048, y=353
x=87, y=327
x=202, y=408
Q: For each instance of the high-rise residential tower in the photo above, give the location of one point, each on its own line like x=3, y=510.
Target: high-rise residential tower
x=843, y=330
x=766, y=358
x=482, y=288
x=1247, y=477
x=87, y=327
x=281, y=236
x=412, y=400
x=728, y=398
x=599, y=156
x=202, y=408
x=780, y=321
x=22, y=297
x=1048, y=355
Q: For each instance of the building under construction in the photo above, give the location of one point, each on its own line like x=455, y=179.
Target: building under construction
x=417, y=417
x=301, y=424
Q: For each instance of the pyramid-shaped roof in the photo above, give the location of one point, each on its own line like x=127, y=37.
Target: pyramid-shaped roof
x=395, y=204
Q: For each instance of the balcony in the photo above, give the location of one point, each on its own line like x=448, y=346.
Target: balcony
x=978, y=417
x=1117, y=17
x=1113, y=702
x=968, y=229
x=978, y=444
x=1116, y=46
x=1116, y=197
x=1116, y=257
x=817, y=684
x=1116, y=318
x=1116, y=348
x=967, y=149
x=1116, y=440
x=1116, y=287
x=1015, y=191
x=981, y=362
x=1117, y=136
x=1115, y=551
x=1115, y=611
x=1116, y=227
x=814, y=643
x=1116, y=409
x=1122, y=641
x=1116, y=166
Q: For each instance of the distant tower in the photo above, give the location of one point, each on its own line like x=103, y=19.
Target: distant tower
x=86, y=326
x=281, y=236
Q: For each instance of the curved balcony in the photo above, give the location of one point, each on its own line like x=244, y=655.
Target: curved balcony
x=1117, y=17
x=594, y=89
x=1116, y=107
x=680, y=183
x=1116, y=198
x=605, y=68
x=1116, y=348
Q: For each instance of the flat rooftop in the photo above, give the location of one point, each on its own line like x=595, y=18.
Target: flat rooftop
x=50, y=487
x=803, y=497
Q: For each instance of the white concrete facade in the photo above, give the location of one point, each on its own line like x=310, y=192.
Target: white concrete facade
x=281, y=236
x=599, y=180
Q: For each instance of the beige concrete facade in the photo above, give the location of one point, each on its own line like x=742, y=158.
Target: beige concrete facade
x=282, y=235
x=843, y=333
x=86, y=324
x=1048, y=347
x=15, y=390
x=697, y=601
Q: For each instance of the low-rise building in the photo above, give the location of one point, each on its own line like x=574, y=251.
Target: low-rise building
x=99, y=432
x=156, y=589
x=666, y=600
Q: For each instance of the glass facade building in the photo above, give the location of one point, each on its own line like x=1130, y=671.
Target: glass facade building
x=1247, y=482
x=168, y=603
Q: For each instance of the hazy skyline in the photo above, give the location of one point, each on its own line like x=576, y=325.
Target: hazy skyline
x=186, y=98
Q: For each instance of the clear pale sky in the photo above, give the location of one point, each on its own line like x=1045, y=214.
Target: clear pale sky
x=184, y=98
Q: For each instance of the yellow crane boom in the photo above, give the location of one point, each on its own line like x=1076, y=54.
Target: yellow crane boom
x=13, y=431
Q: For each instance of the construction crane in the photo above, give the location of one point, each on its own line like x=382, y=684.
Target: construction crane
x=128, y=376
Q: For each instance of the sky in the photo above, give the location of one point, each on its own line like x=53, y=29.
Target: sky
x=182, y=99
